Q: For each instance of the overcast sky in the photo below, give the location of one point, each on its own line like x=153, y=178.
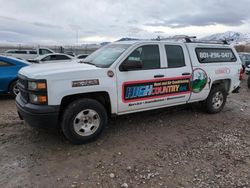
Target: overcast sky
x=59, y=21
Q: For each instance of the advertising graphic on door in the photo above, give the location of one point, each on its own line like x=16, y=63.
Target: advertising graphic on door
x=149, y=89
x=199, y=80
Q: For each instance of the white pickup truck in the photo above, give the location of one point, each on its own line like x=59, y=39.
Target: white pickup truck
x=123, y=78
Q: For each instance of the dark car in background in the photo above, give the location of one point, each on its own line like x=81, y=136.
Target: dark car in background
x=245, y=59
x=9, y=68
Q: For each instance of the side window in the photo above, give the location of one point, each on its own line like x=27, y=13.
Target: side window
x=44, y=51
x=149, y=55
x=4, y=64
x=53, y=57
x=21, y=52
x=175, y=56
x=215, y=55
x=61, y=57
x=48, y=58
x=32, y=52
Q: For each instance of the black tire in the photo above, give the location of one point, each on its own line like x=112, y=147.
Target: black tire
x=216, y=107
x=248, y=82
x=70, y=116
x=13, y=89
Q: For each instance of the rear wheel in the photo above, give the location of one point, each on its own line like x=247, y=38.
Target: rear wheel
x=83, y=121
x=216, y=99
x=14, y=90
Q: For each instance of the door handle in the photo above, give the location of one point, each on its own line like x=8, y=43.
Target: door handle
x=186, y=74
x=158, y=76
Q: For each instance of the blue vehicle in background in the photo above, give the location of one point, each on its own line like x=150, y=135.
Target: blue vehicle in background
x=9, y=68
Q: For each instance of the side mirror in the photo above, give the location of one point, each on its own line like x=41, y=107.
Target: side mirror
x=129, y=65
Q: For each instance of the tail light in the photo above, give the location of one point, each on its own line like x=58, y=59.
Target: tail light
x=241, y=73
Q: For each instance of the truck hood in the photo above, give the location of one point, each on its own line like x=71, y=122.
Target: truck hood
x=45, y=70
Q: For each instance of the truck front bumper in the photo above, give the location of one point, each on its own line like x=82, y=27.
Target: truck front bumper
x=42, y=116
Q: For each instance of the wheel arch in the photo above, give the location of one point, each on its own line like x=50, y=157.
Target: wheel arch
x=223, y=82
x=101, y=96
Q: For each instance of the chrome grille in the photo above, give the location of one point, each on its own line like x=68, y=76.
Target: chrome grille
x=23, y=86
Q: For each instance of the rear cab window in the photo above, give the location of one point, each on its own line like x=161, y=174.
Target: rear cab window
x=215, y=55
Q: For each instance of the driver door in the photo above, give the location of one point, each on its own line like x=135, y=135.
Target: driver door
x=133, y=85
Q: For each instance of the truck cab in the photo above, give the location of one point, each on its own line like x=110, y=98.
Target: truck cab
x=126, y=77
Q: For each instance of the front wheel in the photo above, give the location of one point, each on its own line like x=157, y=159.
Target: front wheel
x=83, y=121
x=216, y=100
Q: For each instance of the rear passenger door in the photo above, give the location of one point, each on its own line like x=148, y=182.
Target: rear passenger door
x=178, y=72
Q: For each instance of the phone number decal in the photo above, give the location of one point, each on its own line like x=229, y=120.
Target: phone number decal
x=149, y=89
x=215, y=55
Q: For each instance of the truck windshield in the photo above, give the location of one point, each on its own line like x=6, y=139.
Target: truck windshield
x=106, y=56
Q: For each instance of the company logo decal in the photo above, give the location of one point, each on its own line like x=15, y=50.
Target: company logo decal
x=150, y=89
x=199, y=80
x=223, y=71
x=83, y=83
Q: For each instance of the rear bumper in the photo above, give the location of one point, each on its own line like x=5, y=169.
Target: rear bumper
x=38, y=115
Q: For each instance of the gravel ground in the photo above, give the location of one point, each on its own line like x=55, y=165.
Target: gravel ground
x=173, y=147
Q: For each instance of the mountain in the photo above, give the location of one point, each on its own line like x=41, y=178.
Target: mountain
x=231, y=36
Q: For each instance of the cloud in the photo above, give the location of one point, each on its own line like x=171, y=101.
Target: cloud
x=58, y=21
x=228, y=13
x=46, y=25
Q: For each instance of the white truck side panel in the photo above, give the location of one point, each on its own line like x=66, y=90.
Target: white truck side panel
x=58, y=89
x=215, y=71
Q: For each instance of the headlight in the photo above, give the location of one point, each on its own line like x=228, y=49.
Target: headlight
x=37, y=99
x=38, y=92
x=37, y=85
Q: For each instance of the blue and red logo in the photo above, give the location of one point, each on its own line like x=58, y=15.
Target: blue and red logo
x=149, y=89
